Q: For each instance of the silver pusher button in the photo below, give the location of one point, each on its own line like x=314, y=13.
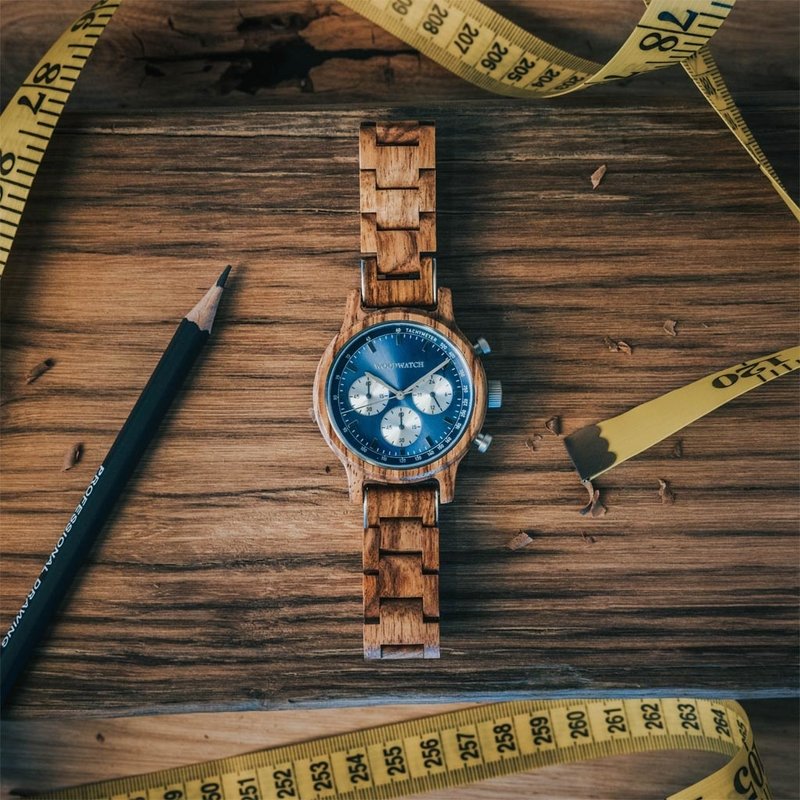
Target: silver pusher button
x=481, y=347
x=482, y=442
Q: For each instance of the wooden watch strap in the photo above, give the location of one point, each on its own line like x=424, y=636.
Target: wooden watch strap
x=398, y=214
x=401, y=572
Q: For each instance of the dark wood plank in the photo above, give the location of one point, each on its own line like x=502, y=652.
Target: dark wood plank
x=229, y=578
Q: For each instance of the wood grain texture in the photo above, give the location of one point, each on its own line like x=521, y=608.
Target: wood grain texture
x=40, y=754
x=229, y=578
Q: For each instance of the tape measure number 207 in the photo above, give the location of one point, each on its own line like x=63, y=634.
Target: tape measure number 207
x=448, y=750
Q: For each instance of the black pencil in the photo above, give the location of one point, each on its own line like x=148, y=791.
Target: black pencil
x=29, y=625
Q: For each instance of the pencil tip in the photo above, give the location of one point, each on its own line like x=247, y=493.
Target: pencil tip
x=224, y=277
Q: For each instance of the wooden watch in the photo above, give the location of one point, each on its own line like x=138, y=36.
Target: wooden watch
x=400, y=393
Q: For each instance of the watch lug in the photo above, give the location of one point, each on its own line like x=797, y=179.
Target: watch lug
x=444, y=308
x=355, y=482
x=353, y=312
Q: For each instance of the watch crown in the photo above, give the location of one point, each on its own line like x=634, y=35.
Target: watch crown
x=495, y=394
x=481, y=347
x=482, y=441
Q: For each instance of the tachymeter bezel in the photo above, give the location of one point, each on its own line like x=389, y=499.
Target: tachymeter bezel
x=462, y=370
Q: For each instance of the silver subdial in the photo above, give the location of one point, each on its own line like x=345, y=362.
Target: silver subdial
x=368, y=396
x=401, y=426
x=434, y=395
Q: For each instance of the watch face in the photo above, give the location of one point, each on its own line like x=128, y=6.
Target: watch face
x=399, y=394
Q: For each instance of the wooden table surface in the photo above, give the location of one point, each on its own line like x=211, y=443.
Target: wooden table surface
x=229, y=576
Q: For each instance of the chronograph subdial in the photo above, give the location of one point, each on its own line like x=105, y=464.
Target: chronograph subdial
x=368, y=396
x=401, y=426
x=434, y=395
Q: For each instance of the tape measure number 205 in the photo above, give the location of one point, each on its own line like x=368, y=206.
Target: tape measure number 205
x=452, y=749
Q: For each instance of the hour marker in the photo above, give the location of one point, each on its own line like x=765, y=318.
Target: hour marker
x=429, y=441
x=374, y=443
x=397, y=340
x=349, y=367
x=371, y=346
x=425, y=346
x=450, y=420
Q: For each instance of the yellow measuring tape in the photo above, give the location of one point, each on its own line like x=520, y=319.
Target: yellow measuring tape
x=28, y=121
x=452, y=749
x=595, y=449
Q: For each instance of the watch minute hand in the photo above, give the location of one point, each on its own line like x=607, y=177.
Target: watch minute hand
x=410, y=389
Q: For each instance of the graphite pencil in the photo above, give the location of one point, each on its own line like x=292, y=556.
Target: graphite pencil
x=82, y=529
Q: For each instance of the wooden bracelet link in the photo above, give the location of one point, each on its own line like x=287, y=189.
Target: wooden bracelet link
x=398, y=214
x=401, y=572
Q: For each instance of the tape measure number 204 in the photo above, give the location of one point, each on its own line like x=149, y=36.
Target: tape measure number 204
x=452, y=749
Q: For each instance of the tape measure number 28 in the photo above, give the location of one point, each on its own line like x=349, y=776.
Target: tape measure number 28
x=29, y=119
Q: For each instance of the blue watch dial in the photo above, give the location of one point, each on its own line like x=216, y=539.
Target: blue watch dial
x=399, y=394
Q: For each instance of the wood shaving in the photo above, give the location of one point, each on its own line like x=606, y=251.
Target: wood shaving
x=530, y=442
x=617, y=346
x=597, y=176
x=665, y=493
x=594, y=508
x=554, y=425
x=39, y=370
x=519, y=541
x=669, y=326
x=72, y=456
x=677, y=450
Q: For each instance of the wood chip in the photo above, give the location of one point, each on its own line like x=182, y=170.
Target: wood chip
x=520, y=540
x=617, y=346
x=669, y=326
x=677, y=450
x=597, y=176
x=665, y=493
x=530, y=442
x=594, y=508
x=554, y=425
x=72, y=456
x=588, y=538
x=39, y=370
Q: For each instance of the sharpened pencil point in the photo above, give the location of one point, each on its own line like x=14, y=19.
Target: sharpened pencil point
x=224, y=277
